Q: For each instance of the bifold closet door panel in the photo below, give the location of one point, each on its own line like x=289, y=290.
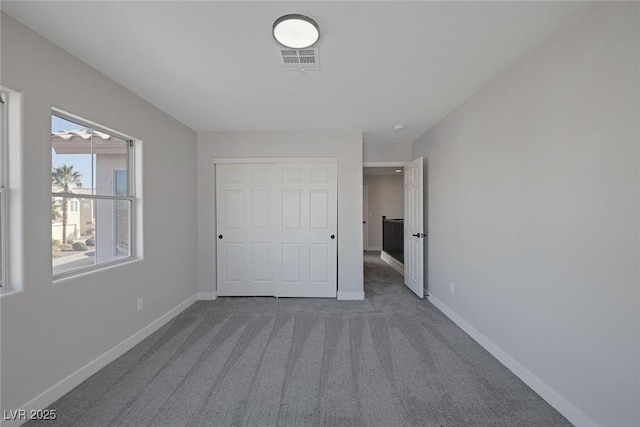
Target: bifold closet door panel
x=306, y=201
x=245, y=225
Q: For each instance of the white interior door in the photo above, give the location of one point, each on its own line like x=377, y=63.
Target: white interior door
x=307, y=230
x=245, y=229
x=414, y=227
x=365, y=217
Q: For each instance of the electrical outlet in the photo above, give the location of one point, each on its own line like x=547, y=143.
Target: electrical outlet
x=452, y=288
x=140, y=303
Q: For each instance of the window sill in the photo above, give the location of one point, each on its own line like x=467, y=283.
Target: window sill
x=65, y=277
x=7, y=292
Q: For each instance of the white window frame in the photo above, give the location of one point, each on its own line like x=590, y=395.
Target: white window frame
x=3, y=192
x=130, y=197
x=114, y=218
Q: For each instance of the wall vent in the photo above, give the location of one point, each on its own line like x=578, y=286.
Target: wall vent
x=300, y=59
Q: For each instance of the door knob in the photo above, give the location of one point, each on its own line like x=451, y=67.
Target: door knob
x=219, y=236
x=333, y=236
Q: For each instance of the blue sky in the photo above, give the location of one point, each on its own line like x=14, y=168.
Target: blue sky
x=80, y=162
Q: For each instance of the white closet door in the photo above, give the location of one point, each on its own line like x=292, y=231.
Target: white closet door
x=245, y=229
x=306, y=231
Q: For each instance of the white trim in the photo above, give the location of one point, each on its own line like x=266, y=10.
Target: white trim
x=382, y=164
x=3, y=199
x=373, y=249
x=14, y=196
x=207, y=296
x=245, y=160
x=58, y=390
x=555, y=399
x=394, y=263
x=350, y=296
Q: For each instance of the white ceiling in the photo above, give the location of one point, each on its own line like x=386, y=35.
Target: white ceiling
x=215, y=67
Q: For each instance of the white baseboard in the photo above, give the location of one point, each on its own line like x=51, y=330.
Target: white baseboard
x=350, y=296
x=207, y=296
x=394, y=263
x=555, y=399
x=66, y=385
x=374, y=249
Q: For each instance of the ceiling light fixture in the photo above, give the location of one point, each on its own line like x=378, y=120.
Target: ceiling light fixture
x=398, y=127
x=398, y=170
x=296, y=31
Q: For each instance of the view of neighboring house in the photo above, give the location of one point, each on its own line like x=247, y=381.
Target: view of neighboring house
x=107, y=221
x=80, y=216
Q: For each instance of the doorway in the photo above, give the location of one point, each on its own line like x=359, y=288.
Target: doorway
x=402, y=236
x=383, y=196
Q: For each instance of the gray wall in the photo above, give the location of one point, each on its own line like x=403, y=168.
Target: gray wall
x=386, y=197
x=51, y=330
x=386, y=152
x=533, y=214
x=345, y=146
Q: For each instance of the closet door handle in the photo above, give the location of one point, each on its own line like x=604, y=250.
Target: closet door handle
x=220, y=236
x=333, y=236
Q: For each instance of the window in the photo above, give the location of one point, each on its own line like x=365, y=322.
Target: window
x=92, y=199
x=3, y=195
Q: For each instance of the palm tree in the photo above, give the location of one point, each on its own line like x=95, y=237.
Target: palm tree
x=55, y=213
x=64, y=177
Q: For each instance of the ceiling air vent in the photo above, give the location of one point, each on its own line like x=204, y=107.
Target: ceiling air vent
x=300, y=59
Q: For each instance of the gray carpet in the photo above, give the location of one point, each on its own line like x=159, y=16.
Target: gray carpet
x=391, y=360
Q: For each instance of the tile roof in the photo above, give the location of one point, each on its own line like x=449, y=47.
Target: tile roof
x=81, y=133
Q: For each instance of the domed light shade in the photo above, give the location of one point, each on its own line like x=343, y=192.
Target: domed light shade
x=296, y=31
